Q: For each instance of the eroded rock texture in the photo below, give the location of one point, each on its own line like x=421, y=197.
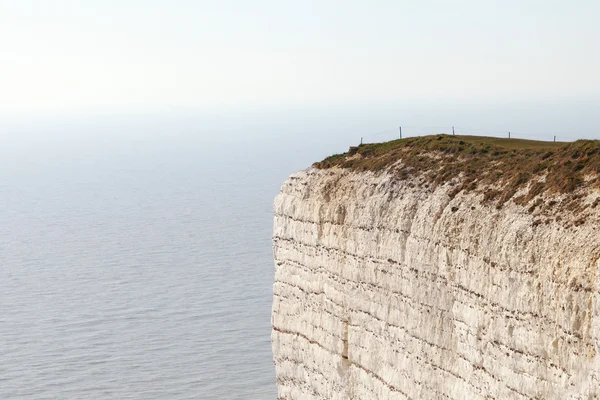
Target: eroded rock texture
x=390, y=289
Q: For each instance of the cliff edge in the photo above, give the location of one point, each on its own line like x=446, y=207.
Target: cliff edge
x=440, y=268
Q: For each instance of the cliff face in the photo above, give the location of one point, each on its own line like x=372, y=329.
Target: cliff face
x=402, y=289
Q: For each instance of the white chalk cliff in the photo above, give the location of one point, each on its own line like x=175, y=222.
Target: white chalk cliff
x=396, y=289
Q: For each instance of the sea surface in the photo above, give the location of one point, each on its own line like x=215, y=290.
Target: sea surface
x=135, y=251
x=137, y=266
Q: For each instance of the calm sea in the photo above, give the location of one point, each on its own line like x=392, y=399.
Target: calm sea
x=137, y=266
x=135, y=253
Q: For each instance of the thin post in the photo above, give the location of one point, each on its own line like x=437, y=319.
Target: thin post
x=509, y=135
x=452, y=131
x=555, y=138
x=400, y=132
x=361, y=140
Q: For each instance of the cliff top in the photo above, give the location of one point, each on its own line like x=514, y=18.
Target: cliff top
x=497, y=167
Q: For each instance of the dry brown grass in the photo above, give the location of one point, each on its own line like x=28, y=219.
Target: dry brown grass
x=496, y=167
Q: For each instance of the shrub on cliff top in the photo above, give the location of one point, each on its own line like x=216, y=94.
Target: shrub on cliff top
x=482, y=163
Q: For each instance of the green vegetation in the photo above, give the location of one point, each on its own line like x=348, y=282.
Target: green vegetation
x=496, y=167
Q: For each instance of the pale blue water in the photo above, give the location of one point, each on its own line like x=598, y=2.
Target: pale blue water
x=135, y=253
x=136, y=268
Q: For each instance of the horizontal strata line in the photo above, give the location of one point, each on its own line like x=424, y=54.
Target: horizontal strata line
x=427, y=387
x=419, y=360
x=405, y=299
x=495, y=266
x=521, y=316
x=433, y=346
x=401, y=328
x=278, y=240
x=436, y=347
x=447, y=245
x=379, y=229
x=434, y=276
x=345, y=225
x=344, y=282
x=423, y=360
x=314, y=342
x=296, y=381
x=337, y=386
x=531, y=355
x=540, y=359
x=299, y=386
x=329, y=299
x=462, y=357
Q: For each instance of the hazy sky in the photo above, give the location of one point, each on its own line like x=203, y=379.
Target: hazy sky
x=65, y=56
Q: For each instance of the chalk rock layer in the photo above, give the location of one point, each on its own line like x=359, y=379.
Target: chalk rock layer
x=388, y=289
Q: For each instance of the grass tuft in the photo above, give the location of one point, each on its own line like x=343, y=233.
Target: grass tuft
x=481, y=163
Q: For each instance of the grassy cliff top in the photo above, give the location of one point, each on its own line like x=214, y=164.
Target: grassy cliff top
x=497, y=167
